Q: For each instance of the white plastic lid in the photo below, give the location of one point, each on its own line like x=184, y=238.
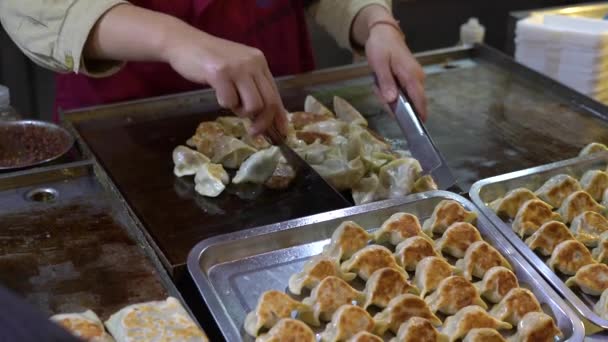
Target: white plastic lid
x=5, y=96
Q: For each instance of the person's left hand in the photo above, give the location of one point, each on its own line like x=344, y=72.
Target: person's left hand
x=392, y=61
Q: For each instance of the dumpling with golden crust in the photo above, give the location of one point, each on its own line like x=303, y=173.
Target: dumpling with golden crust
x=600, y=253
x=368, y=260
x=595, y=182
x=412, y=250
x=399, y=310
x=549, y=235
x=430, y=271
x=397, y=228
x=365, y=336
x=424, y=183
x=315, y=270
x=187, y=161
x=508, y=205
x=496, y=283
x=593, y=147
x=347, y=239
x=85, y=325
x=347, y=113
x=457, y=238
x=312, y=105
x=588, y=226
x=591, y=279
x=469, y=318
x=346, y=322
x=601, y=307
x=478, y=259
x=288, y=329
x=536, y=327
x=484, y=335
x=327, y=297
x=515, y=305
x=386, y=284
x=557, y=188
x=206, y=134
x=576, y=204
x=532, y=215
x=418, y=329
x=569, y=256
x=230, y=152
x=444, y=214
x=453, y=294
x=272, y=306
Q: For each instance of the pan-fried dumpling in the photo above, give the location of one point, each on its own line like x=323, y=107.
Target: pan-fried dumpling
x=288, y=329
x=272, y=306
x=412, y=250
x=327, y=297
x=569, y=256
x=301, y=119
x=453, y=294
x=399, y=310
x=478, y=259
x=315, y=153
x=515, y=305
x=483, y=335
x=368, y=190
x=230, y=151
x=399, y=176
x=331, y=127
x=258, y=167
x=549, y=235
x=496, y=283
x=206, y=134
x=600, y=253
x=312, y=137
x=430, y=271
x=368, y=260
x=315, y=270
x=375, y=161
x=312, y=105
x=211, y=180
x=385, y=284
x=557, y=188
x=576, y=204
x=341, y=174
x=601, y=307
x=532, y=215
x=85, y=325
x=509, y=205
x=591, y=279
x=536, y=327
x=595, y=182
x=187, y=161
x=418, y=329
x=282, y=176
x=593, y=147
x=588, y=226
x=457, y=238
x=347, y=239
x=397, y=228
x=259, y=142
x=362, y=143
x=346, y=322
x=365, y=336
x=424, y=183
x=469, y=318
x=234, y=126
x=346, y=112
x=444, y=215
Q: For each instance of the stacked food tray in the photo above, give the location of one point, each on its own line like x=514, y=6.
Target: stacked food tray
x=485, y=192
x=234, y=272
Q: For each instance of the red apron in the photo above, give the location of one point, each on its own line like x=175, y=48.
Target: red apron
x=277, y=27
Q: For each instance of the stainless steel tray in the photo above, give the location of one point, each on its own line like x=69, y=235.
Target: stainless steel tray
x=232, y=270
x=487, y=190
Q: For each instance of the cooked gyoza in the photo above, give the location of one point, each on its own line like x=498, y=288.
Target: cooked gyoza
x=536, y=327
x=363, y=143
x=600, y=253
x=591, y=279
x=418, y=329
x=210, y=180
x=593, y=147
x=515, y=305
x=330, y=127
x=282, y=176
x=595, y=182
x=557, y=188
x=430, y=271
x=234, y=125
x=549, y=235
x=469, y=318
x=206, y=134
x=412, y=250
x=508, y=205
x=397, y=228
x=230, y=151
x=424, y=183
x=365, y=336
x=588, y=226
x=368, y=260
x=496, y=283
x=258, y=167
x=457, y=238
x=347, y=113
x=576, y=204
x=569, y=256
x=340, y=173
x=368, y=190
x=385, y=284
x=399, y=176
x=601, y=307
x=300, y=119
x=84, y=325
x=452, y=294
x=444, y=215
x=347, y=239
x=327, y=297
x=478, y=259
x=315, y=270
x=347, y=321
x=288, y=329
x=532, y=215
x=312, y=105
x=483, y=335
x=399, y=310
x=187, y=161
x=272, y=306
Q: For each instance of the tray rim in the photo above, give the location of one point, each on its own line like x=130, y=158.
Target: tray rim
x=550, y=277
x=222, y=317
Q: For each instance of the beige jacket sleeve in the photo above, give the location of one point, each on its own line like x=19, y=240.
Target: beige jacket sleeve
x=336, y=16
x=53, y=32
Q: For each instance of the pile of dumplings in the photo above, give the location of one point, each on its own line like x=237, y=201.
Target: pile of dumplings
x=439, y=281
x=564, y=221
x=338, y=146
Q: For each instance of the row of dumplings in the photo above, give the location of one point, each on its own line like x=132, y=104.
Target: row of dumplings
x=438, y=286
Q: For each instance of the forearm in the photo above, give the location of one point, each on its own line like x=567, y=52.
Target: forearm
x=365, y=18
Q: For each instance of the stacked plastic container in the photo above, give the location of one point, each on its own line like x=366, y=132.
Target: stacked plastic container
x=573, y=51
